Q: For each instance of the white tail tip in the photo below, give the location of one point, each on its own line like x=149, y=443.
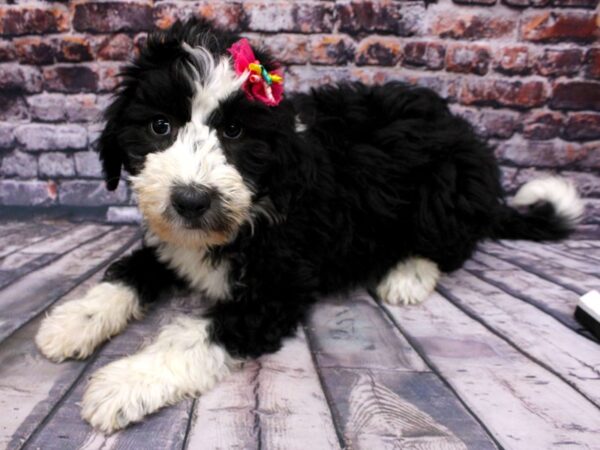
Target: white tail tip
x=561, y=193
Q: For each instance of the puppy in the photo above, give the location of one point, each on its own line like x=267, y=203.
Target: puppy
x=261, y=202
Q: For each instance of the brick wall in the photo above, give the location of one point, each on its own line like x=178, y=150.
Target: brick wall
x=526, y=72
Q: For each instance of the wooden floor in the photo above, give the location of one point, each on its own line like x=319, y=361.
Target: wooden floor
x=493, y=359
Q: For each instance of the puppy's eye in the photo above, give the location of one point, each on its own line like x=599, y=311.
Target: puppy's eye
x=232, y=131
x=160, y=126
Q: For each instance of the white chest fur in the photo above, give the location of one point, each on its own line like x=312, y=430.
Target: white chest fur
x=193, y=266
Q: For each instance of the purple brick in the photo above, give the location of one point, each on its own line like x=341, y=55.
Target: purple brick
x=107, y=17
x=53, y=164
x=588, y=184
x=47, y=107
x=19, y=164
x=20, y=78
x=7, y=135
x=85, y=193
x=540, y=153
x=51, y=137
x=26, y=193
x=123, y=214
x=87, y=164
x=13, y=107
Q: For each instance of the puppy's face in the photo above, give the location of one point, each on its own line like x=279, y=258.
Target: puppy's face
x=197, y=149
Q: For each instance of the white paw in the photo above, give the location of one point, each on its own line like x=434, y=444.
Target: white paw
x=117, y=395
x=409, y=283
x=74, y=329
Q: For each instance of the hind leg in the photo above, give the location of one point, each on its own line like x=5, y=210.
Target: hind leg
x=409, y=282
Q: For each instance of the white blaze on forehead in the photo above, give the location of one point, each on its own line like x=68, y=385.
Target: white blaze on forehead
x=214, y=81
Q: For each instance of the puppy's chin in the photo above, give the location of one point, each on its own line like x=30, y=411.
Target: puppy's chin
x=189, y=237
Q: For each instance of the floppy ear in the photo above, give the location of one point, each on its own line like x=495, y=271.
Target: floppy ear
x=110, y=153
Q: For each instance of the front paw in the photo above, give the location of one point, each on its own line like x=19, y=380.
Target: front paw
x=74, y=329
x=62, y=334
x=121, y=393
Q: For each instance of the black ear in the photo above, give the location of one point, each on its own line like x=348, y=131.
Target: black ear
x=110, y=152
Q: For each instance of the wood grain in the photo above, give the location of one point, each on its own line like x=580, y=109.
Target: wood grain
x=31, y=294
x=521, y=403
x=351, y=332
x=42, y=253
x=65, y=429
x=575, y=358
x=28, y=233
x=550, y=297
x=275, y=402
x=551, y=269
x=555, y=254
x=351, y=340
x=30, y=381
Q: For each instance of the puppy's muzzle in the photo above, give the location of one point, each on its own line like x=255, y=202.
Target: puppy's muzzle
x=191, y=202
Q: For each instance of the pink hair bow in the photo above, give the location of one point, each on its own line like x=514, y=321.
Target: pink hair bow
x=261, y=85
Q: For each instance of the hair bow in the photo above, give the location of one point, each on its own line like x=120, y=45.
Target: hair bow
x=261, y=84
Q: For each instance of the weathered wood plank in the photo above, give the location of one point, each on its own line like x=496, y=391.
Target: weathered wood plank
x=568, y=354
x=30, y=381
x=354, y=341
x=521, y=403
x=552, y=298
x=29, y=233
x=28, y=296
x=552, y=253
x=273, y=402
x=40, y=254
x=65, y=429
x=551, y=269
x=352, y=332
x=382, y=409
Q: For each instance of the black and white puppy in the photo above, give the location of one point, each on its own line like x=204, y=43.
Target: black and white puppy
x=262, y=209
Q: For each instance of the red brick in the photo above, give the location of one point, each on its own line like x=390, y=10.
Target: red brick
x=559, y=62
x=576, y=95
x=112, y=16
x=582, y=127
x=108, y=76
x=468, y=58
x=228, y=15
x=379, y=51
x=19, y=20
x=35, y=50
x=592, y=63
x=559, y=27
x=117, y=47
x=515, y=94
x=541, y=125
x=286, y=48
x=469, y=25
x=70, y=79
x=513, y=60
x=75, y=49
x=331, y=49
x=428, y=54
x=383, y=17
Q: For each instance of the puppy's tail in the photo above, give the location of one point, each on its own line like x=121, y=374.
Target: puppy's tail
x=553, y=210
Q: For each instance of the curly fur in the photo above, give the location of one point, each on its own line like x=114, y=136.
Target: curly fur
x=345, y=186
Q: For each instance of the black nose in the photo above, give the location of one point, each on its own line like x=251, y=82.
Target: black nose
x=190, y=202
